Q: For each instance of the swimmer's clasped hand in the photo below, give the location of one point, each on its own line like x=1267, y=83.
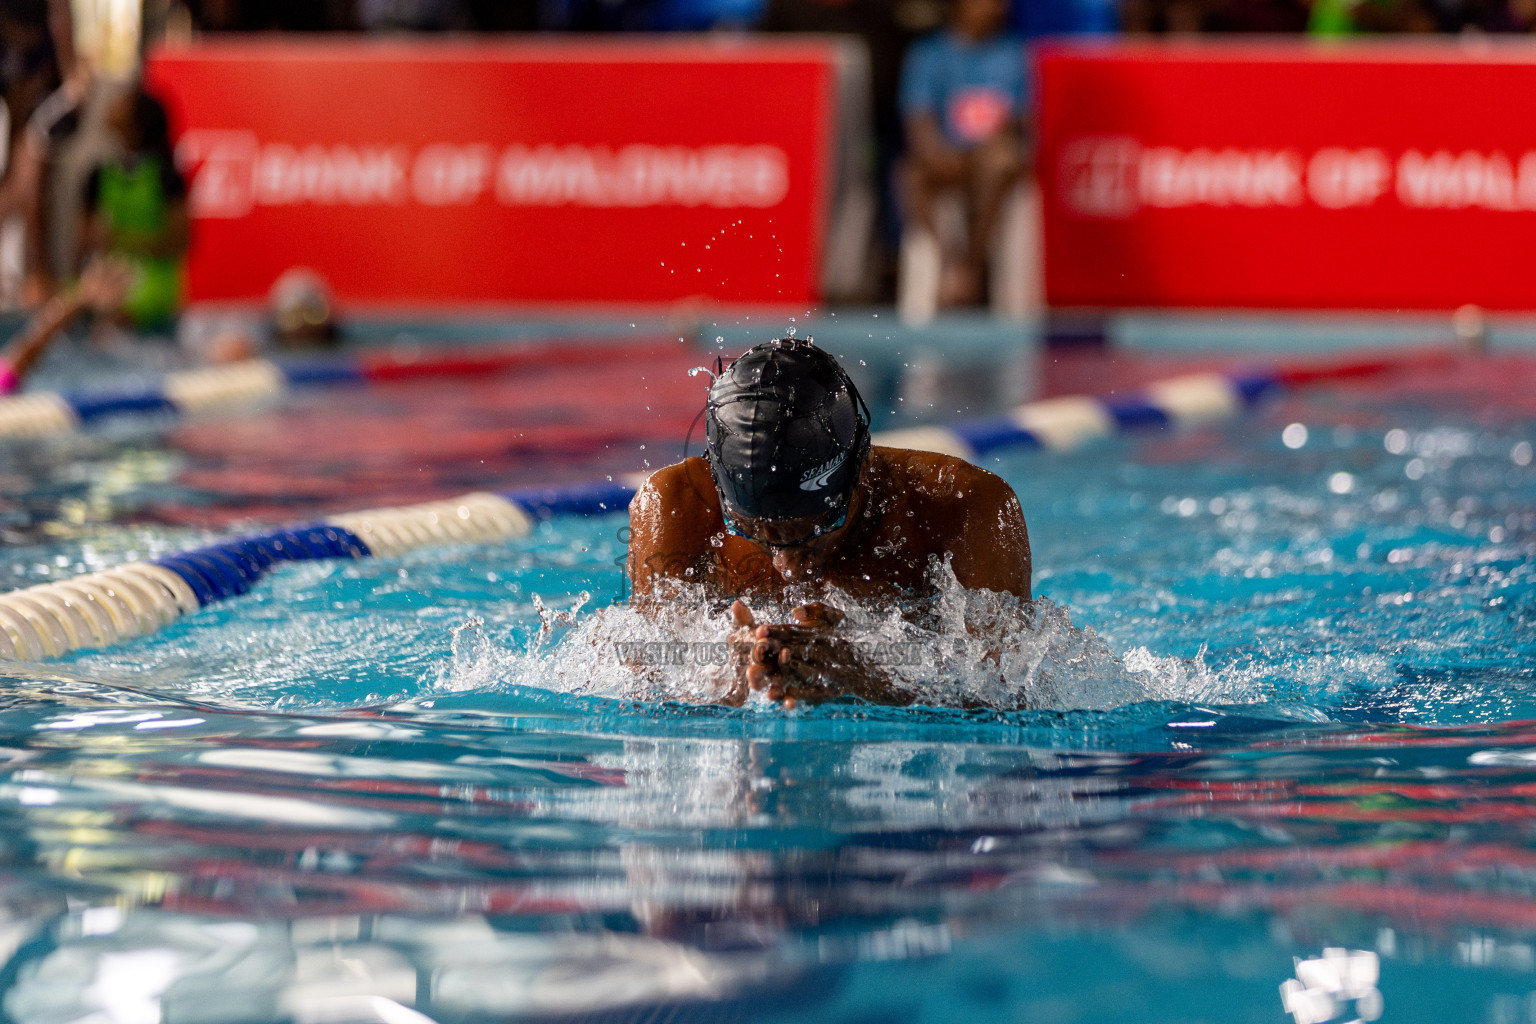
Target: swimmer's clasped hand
x=817, y=615
x=798, y=661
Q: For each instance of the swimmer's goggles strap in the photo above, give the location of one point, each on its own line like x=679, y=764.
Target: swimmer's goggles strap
x=818, y=531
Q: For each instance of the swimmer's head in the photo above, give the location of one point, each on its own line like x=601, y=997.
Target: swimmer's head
x=787, y=433
x=302, y=311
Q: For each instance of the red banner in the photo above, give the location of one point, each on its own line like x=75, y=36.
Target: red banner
x=542, y=171
x=1289, y=175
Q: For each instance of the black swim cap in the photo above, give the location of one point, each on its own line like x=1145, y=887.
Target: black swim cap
x=787, y=432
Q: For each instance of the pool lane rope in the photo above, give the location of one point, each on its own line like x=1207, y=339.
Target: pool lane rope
x=232, y=387
x=260, y=383
x=102, y=608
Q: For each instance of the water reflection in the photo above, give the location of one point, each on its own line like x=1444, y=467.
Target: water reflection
x=173, y=863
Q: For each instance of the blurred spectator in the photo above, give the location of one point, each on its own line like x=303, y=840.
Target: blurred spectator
x=965, y=103
x=26, y=181
x=136, y=208
x=37, y=54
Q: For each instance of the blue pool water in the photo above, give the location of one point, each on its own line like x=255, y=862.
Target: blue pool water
x=1278, y=700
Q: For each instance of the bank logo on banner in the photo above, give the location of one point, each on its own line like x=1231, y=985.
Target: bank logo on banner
x=1099, y=176
x=233, y=172
x=219, y=165
x=1115, y=177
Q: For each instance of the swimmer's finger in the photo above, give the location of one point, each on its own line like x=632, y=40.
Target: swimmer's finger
x=788, y=634
x=757, y=677
x=766, y=653
x=741, y=614
x=779, y=692
x=817, y=614
x=792, y=694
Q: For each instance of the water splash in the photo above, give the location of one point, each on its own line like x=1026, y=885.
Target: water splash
x=968, y=648
x=472, y=657
x=549, y=618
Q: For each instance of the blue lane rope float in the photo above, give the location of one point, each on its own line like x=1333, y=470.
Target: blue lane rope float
x=102, y=608
x=1063, y=423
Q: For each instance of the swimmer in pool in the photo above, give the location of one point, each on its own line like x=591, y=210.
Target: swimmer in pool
x=791, y=499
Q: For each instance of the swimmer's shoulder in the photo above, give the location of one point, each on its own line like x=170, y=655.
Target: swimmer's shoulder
x=687, y=481
x=936, y=478
x=676, y=500
x=969, y=513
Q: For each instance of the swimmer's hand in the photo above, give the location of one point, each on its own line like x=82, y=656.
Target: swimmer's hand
x=803, y=660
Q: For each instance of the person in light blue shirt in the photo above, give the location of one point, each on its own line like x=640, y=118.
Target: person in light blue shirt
x=965, y=106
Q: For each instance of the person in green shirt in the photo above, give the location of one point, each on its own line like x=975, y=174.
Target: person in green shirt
x=136, y=210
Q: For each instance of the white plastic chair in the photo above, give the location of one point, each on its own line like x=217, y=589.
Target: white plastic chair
x=1016, y=271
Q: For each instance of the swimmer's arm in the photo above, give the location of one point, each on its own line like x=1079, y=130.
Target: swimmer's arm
x=991, y=552
x=661, y=544
x=101, y=286
x=29, y=345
